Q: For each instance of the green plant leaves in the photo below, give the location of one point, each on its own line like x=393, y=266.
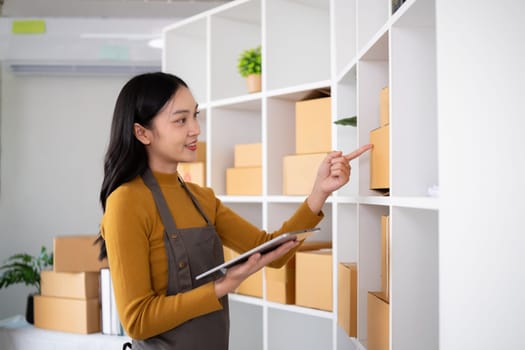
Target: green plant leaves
x=352, y=121
x=250, y=62
x=25, y=268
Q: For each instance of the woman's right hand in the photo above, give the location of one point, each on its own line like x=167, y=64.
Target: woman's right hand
x=235, y=275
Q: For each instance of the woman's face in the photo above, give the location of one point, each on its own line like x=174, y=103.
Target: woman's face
x=173, y=135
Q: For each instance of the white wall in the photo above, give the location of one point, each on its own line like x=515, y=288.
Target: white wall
x=481, y=70
x=54, y=132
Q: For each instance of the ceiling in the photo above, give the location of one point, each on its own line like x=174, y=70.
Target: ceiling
x=106, y=8
x=91, y=32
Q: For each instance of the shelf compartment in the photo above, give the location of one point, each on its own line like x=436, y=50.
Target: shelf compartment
x=246, y=324
x=345, y=135
x=244, y=23
x=297, y=42
x=372, y=15
x=413, y=92
x=231, y=125
x=347, y=233
x=414, y=279
x=369, y=268
x=345, y=32
x=372, y=77
x=251, y=212
x=280, y=122
x=191, y=65
x=290, y=330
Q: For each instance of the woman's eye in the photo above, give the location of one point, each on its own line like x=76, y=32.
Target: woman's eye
x=181, y=121
x=196, y=114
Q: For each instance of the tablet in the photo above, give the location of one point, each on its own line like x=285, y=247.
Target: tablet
x=263, y=248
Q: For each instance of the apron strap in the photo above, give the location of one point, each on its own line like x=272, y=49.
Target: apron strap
x=162, y=206
x=195, y=202
x=172, y=243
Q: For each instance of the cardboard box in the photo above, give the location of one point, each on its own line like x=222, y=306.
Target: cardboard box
x=385, y=257
x=244, y=181
x=313, y=126
x=299, y=172
x=313, y=279
x=77, y=285
x=67, y=315
x=280, y=283
x=380, y=159
x=77, y=254
x=248, y=155
x=347, y=298
x=201, y=152
x=193, y=172
x=252, y=286
x=377, y=323
x=384, y=107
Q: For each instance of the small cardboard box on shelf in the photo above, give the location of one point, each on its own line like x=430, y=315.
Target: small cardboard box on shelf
x=77, y=253
x=247, y=155
x=280, y=283
x=299, y=172
x=201, y=152
x=313, y=125
x=347, y=298
x=67, y=314
x=192, y=172
x=244, y=181
x=313, y=279
x=77, y=285
x=195, y=171
x=380, y=159
x=378, y=311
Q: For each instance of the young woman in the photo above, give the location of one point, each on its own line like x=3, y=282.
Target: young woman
x=160, y=232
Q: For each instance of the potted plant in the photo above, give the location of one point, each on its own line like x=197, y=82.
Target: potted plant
x=249, y=66
x=25, y=268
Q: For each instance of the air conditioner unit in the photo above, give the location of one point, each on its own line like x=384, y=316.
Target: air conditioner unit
x=36, y=68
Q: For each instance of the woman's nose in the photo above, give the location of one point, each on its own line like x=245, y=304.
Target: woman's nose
x=195, y=127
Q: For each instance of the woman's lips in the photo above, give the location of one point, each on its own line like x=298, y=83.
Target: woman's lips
x=192, y=146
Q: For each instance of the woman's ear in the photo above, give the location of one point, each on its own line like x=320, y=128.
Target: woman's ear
x=141, y=133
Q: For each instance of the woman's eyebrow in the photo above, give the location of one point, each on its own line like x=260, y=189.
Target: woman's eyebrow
x=180, y=111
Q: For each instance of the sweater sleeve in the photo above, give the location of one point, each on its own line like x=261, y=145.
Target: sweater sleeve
x=126, y=227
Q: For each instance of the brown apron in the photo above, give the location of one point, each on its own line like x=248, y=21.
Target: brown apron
x=190, y=252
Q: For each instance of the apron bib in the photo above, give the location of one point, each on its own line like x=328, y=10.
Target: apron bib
x=190, y=252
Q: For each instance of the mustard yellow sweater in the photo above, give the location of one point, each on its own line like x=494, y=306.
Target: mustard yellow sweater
x=134, y=235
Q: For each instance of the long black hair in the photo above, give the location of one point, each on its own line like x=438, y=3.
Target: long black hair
x=139, y=101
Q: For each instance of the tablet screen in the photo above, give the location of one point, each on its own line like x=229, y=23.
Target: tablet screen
x=263, y=248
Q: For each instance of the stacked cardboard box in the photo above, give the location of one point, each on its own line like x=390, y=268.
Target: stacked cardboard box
x=313, y=279
x=380, y=154
x=313, y=140
x=347, y=298
x=69, y=299
x=245, y=178
x=280, y=283
x=252, y=286
x=377, y=324
x=195, y=171
x=378, y=301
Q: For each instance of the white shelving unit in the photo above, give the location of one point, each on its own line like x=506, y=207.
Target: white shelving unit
x=354, y=48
